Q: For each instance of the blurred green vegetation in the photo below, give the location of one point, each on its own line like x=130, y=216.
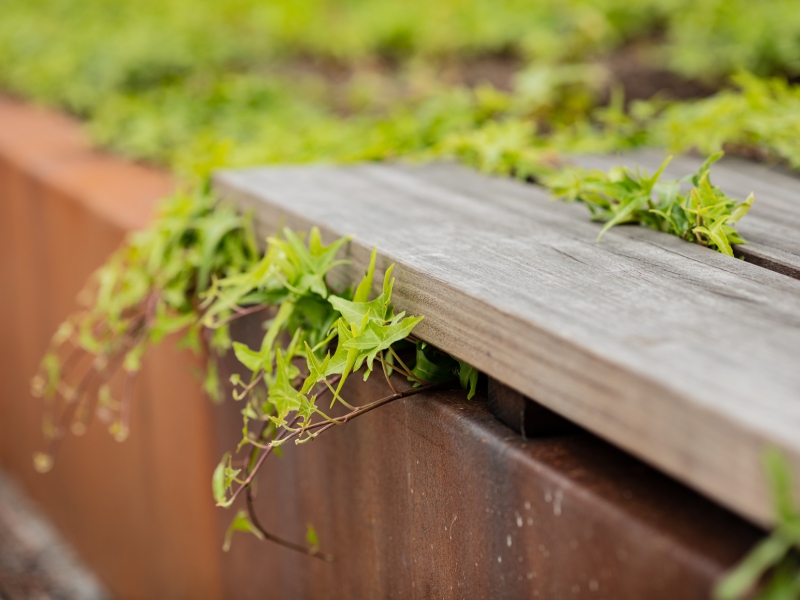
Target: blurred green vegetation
x=194, y=84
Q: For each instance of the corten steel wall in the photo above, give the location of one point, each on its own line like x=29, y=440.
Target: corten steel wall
x=63, y=210
x=429, y=497
x=432, y=497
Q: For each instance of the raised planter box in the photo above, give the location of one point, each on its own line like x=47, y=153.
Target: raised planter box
x=431, y=496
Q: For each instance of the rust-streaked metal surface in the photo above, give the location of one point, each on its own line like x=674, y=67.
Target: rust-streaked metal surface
x=432, y=497
x=140, y=514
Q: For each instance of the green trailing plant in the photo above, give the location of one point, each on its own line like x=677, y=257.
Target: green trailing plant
x=147, y=290
x=198, y=268
x=315, y=340
x=771, y=571
x=702, y=215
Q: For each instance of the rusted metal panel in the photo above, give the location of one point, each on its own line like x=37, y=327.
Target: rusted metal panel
x=432, y=497
x=139, y=513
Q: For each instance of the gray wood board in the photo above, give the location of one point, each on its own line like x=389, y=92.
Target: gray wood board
x=681, y=355
x=772, y=227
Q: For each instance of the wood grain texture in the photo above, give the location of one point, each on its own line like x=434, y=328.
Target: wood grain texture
x=772, y=227
x=683, y=356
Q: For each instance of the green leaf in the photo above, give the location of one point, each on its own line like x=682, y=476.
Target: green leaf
x=281, y=392
x=433, y=365
x=275, y=328
x=365, y=285
x=354, y=312
x=309, y=264
x=468, y=378
x=241, y=522
x=778, y=471
x=218, y=484
x=717, y=238
x=623, y=214
x=742, y=209
x=311, y=538
x=772, y=550
x=650, y=182
x=702, y=172
x=317, y=370
x=133, y=358
x=166, y=324
x=216, y=227
x=386, y=335
x=222, y=479
x=376, y=338
x=339, y=360
x=211, y=383
x=254, y=361
x=745, y=575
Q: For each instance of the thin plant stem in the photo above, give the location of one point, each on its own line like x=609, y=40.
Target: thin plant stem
x=251, y=512
x=239, y=314
x=405, y=367
x=386, y=375
x=324, y=425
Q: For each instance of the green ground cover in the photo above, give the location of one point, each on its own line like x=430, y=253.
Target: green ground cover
x=196, y=83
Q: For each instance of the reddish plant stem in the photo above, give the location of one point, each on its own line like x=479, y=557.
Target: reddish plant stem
x=70, y=361
x=251, y=512
x=69, y=411
x=127, y=399
x=252, y=384
x=325, y=425
x=133, y=336
x=239, y=314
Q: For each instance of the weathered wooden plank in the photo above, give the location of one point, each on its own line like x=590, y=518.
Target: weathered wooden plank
x=772, y=227
x=679, y=354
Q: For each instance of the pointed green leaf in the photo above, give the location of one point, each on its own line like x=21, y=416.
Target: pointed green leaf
x=468, y=378
x=365, y=286
x=241, y=522
x=251, y=359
